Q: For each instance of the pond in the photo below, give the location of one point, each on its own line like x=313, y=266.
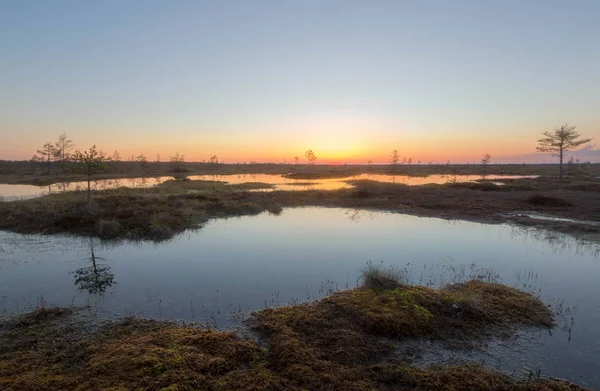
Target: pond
x=10, y=192
x=232, y=266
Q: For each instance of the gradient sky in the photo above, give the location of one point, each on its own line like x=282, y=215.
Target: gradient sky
x=266, y=80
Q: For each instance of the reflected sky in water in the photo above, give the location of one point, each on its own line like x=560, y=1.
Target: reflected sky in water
x=236, y=265
x=13, y=192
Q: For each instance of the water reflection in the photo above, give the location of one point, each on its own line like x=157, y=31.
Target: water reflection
x=13, y=192
x=231, y=267
x=95, y=278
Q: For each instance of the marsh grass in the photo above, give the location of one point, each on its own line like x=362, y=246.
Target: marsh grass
x=137, y=214
x=158, y=213
x=322, y=174
x=378, y=276
x=339, y=343
x=26, y=173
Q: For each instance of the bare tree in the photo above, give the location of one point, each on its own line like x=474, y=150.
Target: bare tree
x=310, y=156
x=115, y=160
x=47, y=154
x=143, y=161
x=176, y=163
x=559, y=141
x=487, y=158
x=63, y=146
x=90, y=162
x=296, y=160
x=394, y=159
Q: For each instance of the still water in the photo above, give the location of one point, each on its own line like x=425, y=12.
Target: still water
x=15, y=192
x=233, y=266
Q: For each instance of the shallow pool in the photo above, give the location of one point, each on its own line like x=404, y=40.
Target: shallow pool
x=230, y=267
x=15, y=192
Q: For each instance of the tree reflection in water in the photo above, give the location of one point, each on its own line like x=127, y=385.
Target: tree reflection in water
x=95, y=278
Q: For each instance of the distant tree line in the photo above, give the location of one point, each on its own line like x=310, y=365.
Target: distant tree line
x=60, y=153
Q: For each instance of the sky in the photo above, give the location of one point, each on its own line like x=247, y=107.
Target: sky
x=266, y=80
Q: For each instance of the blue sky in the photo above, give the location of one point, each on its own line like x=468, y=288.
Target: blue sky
x=266, y=80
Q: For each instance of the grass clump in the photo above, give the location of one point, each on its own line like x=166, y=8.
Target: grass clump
x=380, y=277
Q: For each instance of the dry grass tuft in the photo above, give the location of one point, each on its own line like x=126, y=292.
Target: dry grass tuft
x=380, y=277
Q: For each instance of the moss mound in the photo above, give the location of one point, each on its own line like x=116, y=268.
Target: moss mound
x=175, y=357
x=338, y=343
x=412, y=311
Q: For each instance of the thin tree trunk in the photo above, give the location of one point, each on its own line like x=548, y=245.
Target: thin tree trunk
x=89, y=191
x=560, y=175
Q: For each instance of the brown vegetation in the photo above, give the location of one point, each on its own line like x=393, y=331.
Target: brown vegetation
x=36, y=173
x=152, y=214
x=321, y=175
x=338, y=343
x=160, y=212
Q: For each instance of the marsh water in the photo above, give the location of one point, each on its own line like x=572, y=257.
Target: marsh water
x=232, y=266
x=10, y=192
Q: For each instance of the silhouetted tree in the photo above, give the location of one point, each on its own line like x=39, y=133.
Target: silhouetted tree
x=487, y=158
x=47, y=154
x=394, y=159
x=63, y=146
x=96, y=278
x=310, y=156
x=559, y=141
x=214, y=159
x=296, y=160
x=90, y=162
x=176, y=163
x=143, y=161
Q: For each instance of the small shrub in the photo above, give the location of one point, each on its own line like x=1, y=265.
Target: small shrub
x=381, y=277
